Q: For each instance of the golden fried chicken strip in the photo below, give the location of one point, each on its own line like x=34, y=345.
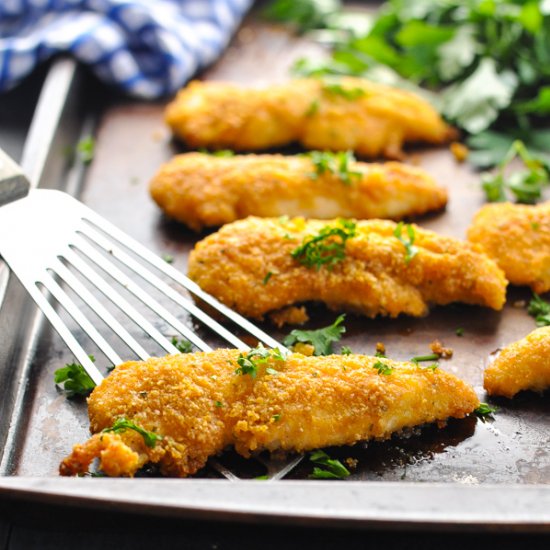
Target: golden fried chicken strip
x=517, y=237
x=199, y=405
x=352, y=114
x=523, y=365
x=203, y=190
x=249, y=267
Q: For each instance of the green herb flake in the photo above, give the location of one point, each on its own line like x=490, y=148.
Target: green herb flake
x=122, y=424
x=75, y=379
x=407, y=241
x=540, y=310
x=168, y=258
x=382, y=368
x=328, y=247
x=321, y=339
x=351, y=94
x=276, y=417
x=86, y=149
x=220, y=153
x=337, y=164
x=267, y=277
x=485, y=411
x=330, y=468
x=250, y=362
x=345, y=350
x=218, y=404
x=459, y=331
x=313, y=108
x=182, y=345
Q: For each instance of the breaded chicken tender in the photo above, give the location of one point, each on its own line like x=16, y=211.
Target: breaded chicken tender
x=197, y=405
x=349, y=114
x=517, y=237
x=203, y=190
x=249, y=266
x=523, y=365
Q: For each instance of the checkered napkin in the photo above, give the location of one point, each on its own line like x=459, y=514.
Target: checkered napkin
x=148, y=48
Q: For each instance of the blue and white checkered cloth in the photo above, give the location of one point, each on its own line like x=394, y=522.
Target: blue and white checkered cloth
x=148, y=48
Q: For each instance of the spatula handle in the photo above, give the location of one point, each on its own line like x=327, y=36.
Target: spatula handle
x=13, y=183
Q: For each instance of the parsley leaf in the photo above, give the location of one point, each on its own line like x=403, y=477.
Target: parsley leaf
x=321, y=339
x=182, y=345
x=540, y=310
x=249, y=363
x=302, y=14
x=484, y=411
x=350, y=94
x=410, y=250
x=75, y=379
x=328, y=247
x=86, y=149
x=334, y=163
x=526, y=185
x=331, y=468
x=382, y=368
x=122, y=424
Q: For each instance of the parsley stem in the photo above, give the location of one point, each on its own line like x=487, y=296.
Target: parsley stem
x=422, y=358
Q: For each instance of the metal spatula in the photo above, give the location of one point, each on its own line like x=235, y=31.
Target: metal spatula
x=71, y=260
x=53, y=242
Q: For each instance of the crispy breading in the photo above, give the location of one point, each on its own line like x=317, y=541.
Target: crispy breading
x=373, y=279
x=517, y=237
x=199, y=405
x=371, y=119
x=523, y=365
x=203, y=190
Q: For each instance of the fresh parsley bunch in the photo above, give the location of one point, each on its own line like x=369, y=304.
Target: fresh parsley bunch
x=489, y=59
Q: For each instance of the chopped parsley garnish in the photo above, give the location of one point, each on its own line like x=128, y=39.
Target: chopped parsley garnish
x=218, y=404
x=313, y=108
x=433, y=366
x=182, y=345
x=168, y=258
x=459, y=331
x=321, y=339
x=75, y=379
x=345, y=350
x=525, y=185
x=337, y=164
x=485, y=411
x=540, y=310
x=407, y=241
x=267, y=277
x=86, y=149
x=328, y=247
x=350, y=94
x=223, y=153
x=276, y=417
x=330, y=467
x=382, y=368
x=249, y=363
x=122, y=424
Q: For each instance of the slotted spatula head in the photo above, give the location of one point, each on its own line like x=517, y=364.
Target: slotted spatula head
x=54, y=243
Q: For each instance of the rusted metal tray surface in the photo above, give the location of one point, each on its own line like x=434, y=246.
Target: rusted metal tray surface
x=466, y=474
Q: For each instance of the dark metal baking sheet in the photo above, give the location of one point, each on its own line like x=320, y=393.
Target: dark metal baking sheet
x=469, y=473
